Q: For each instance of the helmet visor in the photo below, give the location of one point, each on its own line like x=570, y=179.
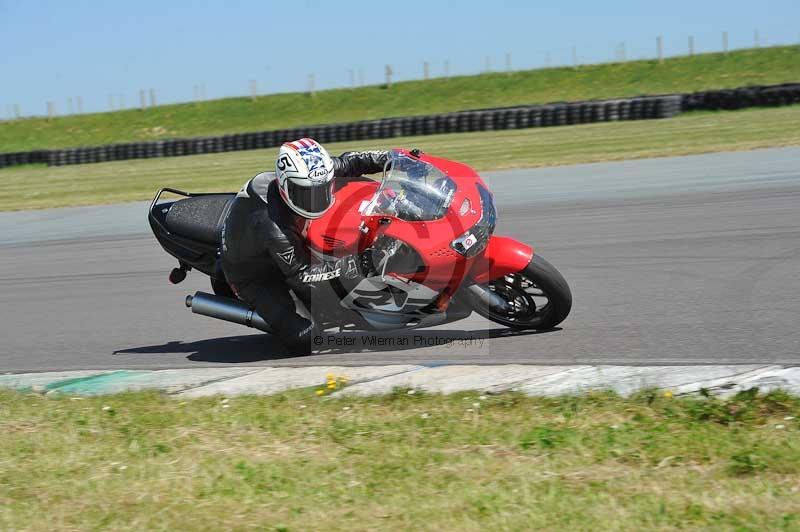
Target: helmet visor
x=312, y=199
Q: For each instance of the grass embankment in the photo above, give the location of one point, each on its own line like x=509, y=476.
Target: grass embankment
x=681, y=74
x=409, y=462
x=42, y=187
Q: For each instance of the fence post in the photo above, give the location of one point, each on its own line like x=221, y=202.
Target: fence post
x=488, y=66
x=110, y=102
x=152, y=98
x=51, y=110
x=142, y=100
x=79, y=101
x=389, y=73
x=311, y=85
x=660, y=46
x=426, y=71
x=725, y=42
x=253, y=90
x=691, y=45
x=756, y=39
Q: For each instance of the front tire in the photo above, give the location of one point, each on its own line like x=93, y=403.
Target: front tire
x=537, y=297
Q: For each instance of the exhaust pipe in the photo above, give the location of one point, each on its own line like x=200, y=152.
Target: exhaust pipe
x=226, y=309
x=486, y=298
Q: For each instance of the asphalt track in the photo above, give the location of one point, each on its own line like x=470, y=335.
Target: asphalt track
x=689, y=260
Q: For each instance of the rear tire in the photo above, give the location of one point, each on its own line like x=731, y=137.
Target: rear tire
x=537, y=297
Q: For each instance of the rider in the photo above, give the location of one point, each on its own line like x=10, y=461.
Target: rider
x=263, y=251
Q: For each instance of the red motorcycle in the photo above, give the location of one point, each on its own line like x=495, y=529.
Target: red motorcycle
x=424, y=236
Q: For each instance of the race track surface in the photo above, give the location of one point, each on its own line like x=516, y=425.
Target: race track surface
x=689, y=260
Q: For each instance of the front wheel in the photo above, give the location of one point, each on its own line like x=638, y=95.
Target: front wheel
x=537, y=297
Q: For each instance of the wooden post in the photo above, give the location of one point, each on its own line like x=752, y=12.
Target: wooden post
x=389, y=73
x=691, y=45
x=660, y=47
x=152, y=98
x=79, y=101
x=426, y=70
x=51, y=110
x=725, y=41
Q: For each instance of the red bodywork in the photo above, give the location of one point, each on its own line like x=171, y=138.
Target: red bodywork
x=343, y=230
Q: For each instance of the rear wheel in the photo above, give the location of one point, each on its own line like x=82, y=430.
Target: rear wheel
x=536, y=297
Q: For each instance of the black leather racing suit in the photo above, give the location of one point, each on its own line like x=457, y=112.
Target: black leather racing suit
x=263, y=251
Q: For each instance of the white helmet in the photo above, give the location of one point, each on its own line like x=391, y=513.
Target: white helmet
x=305, y=177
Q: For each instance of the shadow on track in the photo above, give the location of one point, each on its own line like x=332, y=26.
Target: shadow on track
x=263, y=347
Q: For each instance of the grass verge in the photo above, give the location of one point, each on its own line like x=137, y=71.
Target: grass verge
x=42, y=187
x=279, y=111
x=458, y=462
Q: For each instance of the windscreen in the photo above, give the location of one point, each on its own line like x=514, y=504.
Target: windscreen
x=412, y=190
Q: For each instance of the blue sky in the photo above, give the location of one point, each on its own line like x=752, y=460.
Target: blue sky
x=53, y=50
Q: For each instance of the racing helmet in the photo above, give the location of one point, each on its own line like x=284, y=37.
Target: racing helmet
x=305, y=177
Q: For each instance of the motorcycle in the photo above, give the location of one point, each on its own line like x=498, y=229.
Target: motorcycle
x=424, y=236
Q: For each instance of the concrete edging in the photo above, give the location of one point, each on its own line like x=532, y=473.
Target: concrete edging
x=375, y=380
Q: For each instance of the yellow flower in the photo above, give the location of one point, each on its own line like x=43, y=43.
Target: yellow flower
x=668, y=394
x=330, y=377
x=320, y=392
x=342, y=381
x=332, y=385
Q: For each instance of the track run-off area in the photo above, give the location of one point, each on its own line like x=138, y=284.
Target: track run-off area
x=673, y=261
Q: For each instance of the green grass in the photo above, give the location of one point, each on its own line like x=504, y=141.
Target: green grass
x=399, y=462
x=681, y=74
x=42, y=187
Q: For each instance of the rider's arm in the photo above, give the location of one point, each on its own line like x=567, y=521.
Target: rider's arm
x=295, y=264
x=357, y=163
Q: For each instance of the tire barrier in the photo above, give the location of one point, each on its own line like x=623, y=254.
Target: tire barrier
x=495, y=119
x=739, y=98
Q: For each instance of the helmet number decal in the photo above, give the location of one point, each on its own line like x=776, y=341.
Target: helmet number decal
x=285, y=162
